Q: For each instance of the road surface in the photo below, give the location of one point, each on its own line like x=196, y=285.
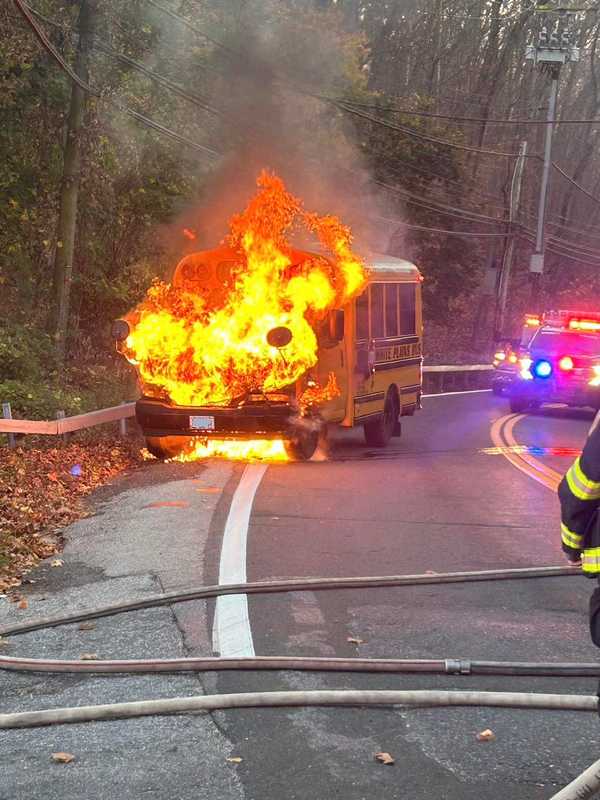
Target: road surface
x=467, y=487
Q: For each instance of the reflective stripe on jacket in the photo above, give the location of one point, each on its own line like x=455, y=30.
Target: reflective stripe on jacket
x=579, y=494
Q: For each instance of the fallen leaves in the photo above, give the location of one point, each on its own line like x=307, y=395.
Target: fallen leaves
x=22, y=604
x=385, y=758
x=87, y=626
x=486, y=736
x=63, y=758
x=41, y=489
x=234, y=760
x=354, y=640
x=88, y=657
x=57, y=562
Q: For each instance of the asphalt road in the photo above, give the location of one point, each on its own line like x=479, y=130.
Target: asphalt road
x=441, y=498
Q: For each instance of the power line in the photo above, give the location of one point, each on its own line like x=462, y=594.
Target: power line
x=157, y=126
x=577, y=185
x=425, y=137
x=104, y=47
x=189, y=25
x=455, y=118
x=191, y=97
x=428, y=229
x=441, y=208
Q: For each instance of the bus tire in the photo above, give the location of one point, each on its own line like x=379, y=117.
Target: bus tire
x=165, y=447
x=302, y=446
x=379, y=432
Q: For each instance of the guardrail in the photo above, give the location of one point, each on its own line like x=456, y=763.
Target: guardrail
x=456, y=377
x=63, y=424
x=438, y=377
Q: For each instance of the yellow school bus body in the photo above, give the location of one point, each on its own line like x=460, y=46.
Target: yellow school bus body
x=373, y=347
x=380, y=355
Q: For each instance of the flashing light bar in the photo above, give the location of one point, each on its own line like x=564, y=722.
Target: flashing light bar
x=580, y=324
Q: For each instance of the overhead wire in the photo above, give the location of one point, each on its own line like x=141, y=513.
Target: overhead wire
x=139, y=117
x=424, y=137
x=190, y=26
x=574, y=183
x=456, y=118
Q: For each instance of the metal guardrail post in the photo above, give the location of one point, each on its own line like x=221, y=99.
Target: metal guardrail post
x=61, y=415
x=123, y=423
x=7, y=414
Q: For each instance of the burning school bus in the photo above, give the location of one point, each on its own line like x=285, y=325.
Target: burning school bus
x=255, y=346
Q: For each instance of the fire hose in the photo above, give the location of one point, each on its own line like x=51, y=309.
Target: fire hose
x=421, y=698
x=584, y=786
x=295, y=585
x=448, y=666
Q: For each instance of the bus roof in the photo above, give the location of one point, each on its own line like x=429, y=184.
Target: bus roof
x=390, y=268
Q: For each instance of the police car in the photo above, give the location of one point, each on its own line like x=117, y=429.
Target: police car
x=560, y=365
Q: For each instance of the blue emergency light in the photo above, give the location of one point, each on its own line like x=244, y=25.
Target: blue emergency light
x=543, y=369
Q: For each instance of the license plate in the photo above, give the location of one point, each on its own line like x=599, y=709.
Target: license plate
x=202, y=423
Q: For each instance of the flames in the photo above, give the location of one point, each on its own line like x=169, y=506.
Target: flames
x=202, y=339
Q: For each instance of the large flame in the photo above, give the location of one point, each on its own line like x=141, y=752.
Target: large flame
x=202, y=340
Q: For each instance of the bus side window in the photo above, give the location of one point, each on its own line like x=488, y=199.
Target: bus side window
x=377, y=328
x=408, y=321
x=362, y=316
x=391, y=310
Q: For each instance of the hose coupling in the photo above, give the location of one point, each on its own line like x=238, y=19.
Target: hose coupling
x=455, y=666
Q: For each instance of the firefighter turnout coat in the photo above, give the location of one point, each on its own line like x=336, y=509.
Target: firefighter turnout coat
x=579, y=493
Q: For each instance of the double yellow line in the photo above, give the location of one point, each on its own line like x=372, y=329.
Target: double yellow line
x=519, y=455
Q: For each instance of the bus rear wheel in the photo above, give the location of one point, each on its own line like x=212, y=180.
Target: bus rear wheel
x=379, y=432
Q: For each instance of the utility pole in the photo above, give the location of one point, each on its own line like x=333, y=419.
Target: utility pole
x=507, y=260
x=552, y=51
x=67, y=218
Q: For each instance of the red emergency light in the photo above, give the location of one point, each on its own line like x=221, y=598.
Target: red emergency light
x=566, y=363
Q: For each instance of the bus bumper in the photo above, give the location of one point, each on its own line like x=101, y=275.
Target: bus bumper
x=256, y=420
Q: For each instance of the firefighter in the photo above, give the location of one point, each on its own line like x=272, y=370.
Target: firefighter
x=579, y=493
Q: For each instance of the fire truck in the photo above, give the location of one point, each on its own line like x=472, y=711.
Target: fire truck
x=559, y=364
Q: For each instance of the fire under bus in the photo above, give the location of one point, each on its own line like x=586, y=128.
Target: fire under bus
x=367, y=369
x=255, y=347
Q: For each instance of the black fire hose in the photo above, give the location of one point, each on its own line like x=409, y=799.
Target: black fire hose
x=448, y=666
x=295, y=585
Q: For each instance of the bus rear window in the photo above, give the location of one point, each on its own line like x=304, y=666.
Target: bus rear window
x=408, y=320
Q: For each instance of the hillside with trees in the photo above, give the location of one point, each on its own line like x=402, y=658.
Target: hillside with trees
x=131, y=131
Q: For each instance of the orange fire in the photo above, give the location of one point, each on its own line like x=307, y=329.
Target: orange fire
x=240, y=450
x=202, y=339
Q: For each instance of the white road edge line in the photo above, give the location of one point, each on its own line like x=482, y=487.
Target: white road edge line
x=232, y=634
x=446, y=394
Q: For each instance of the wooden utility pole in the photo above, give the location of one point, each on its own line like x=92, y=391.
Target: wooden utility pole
x=67, y=218
x=507, y=260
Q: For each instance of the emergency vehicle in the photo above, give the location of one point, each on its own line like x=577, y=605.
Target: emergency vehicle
x=506, y=358
x=373, y=347
x=561, y=363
